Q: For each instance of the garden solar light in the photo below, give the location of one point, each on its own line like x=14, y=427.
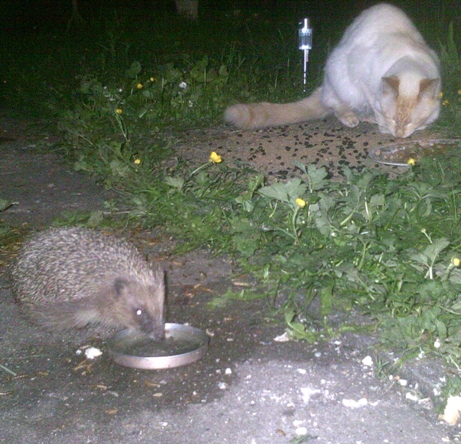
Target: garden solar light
x=305, y=44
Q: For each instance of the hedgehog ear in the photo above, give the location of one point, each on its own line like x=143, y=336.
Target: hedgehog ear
x=119, y=285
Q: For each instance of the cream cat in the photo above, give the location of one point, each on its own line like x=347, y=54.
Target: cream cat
x=381, y=71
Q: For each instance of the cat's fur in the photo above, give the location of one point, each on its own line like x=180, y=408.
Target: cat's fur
x=381, y=71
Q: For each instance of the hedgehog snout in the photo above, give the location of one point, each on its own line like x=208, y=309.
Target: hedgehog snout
x=149, y=325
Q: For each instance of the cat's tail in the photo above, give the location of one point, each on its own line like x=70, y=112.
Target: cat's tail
x=261, y=115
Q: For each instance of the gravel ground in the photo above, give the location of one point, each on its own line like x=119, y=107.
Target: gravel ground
x=249, y=388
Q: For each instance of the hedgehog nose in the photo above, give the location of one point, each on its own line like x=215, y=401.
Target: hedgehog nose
x=155, y=330
x=158, y=333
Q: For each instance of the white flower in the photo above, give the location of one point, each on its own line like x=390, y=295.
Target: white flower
x=183, y=85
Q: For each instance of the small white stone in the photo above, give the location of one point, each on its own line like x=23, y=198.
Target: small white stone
x=308, y=392
x=222, y=386
x=367, y=361
x=452, y=409
x=282, y=338
x=355, y=404
x=92, y=352
x=228, y=371
x=301, y=431
x=411, y=397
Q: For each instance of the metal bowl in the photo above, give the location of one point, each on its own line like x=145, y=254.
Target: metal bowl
x=399, y=153
x=182, y=345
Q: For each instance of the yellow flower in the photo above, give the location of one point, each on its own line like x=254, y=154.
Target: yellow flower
x=411, y=161
x=300, y=202
x=215, y=157
x=440, y=94
x=119, y=111
x=152, y=79
x=137, y=161
x=139, y=86
x=456, y=261
x=445, y=102
x=459, y=91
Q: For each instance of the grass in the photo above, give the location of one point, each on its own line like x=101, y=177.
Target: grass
x=390, y=247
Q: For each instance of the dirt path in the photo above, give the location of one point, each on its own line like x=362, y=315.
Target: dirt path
x=248, y=388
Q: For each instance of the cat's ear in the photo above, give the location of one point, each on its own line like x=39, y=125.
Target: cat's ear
x=427, y=88
x=391, y=85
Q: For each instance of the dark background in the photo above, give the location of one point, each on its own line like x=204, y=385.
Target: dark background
x=26, y=13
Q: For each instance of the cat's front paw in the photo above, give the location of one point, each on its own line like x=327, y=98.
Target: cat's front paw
x=349, y=119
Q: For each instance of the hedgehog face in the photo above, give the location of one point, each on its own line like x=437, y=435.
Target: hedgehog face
x=140, y=306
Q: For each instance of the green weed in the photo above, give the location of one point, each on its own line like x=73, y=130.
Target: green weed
x=451, y=62
x=389, y=247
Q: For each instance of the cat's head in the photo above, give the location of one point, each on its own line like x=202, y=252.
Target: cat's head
x=405, y=109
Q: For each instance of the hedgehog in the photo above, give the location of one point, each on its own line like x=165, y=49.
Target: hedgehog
x=70, y=278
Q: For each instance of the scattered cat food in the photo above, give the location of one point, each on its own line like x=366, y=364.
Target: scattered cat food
x=400, y=154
